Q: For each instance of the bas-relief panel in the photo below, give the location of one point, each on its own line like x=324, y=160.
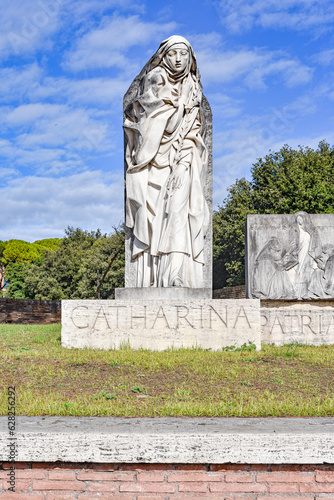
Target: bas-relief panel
x=290, y=256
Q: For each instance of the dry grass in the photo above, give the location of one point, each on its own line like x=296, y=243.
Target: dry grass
x=292, y=380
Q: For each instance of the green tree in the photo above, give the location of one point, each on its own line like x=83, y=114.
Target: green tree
x=16, y=273
x=19, y=251
x=229, y=235
x=70, y=271
x=283, y=182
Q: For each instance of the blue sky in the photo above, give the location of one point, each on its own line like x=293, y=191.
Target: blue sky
x=267, y=71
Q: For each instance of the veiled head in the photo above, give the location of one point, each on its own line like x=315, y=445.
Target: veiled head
x=178, y=57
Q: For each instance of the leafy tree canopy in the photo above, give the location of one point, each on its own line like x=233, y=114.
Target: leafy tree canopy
x=283, y=182
x=19, y=251
x=14, y=251
x=72, y=268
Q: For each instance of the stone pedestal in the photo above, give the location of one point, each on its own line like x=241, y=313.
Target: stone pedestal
x=160, y=324
x=151, y=293
x=302, y=322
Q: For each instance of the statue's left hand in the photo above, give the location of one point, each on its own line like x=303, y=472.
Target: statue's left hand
x=177, y=177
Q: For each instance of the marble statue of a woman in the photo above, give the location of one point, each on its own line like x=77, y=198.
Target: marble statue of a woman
x=166, y=159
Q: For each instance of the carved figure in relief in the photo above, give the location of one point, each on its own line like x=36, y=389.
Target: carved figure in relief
x=271, y=280
x=308, y=252
x=166, y=161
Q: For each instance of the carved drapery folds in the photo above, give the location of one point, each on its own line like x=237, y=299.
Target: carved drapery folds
x=166, y=160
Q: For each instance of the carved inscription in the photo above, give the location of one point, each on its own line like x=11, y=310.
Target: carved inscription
x=301, y=323
x=137, y=317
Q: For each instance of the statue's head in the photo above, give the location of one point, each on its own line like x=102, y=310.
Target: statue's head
x=177, y=56
x=303, y=220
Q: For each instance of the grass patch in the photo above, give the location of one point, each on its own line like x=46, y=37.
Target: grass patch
x=293, y=380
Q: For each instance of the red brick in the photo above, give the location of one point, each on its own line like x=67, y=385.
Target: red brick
x=21, y=496
x=147, y=477
x=105, y=476
x=23, y=474
x=100, y=467
x=208, y=496
x=193, y=487
x=239, y=477
x=285, y=498
x=316, y=488
x=100, y=486
x=237, y=488
x=151, y=497
x=194, y=476
x=228, y=467
x=285, y=477
x=18, y=465
x=147, y=467
x=58, y=485
x=21, y=485
x=284, y=488
x=192, y=467
x=147, y=487
x=30, y=474
x=324, y=477
x=106, y=496
x=62, y=475
x=243, y=496
x=61, y=496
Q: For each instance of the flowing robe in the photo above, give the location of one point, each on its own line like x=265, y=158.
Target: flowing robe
x=163, y=131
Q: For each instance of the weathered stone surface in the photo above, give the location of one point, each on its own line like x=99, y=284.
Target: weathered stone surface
x=174, y=121
x=171, y=440
x=160, y=324
x=290, y=256
x=307, y=322
x=156, y=293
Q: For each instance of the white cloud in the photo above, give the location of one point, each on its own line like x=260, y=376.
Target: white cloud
x=37, y=207
x=251, y=67
x=106, y=46
x=243, y=15
x=29, y=113
x=16, y=82
x=325, y=57
x=56, y=125
x=97, y=91
x=29, y=25
x=224, y=105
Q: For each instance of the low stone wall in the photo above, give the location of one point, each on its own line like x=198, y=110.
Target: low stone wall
x=74, y=481
x=30, y=311
x=230, y=292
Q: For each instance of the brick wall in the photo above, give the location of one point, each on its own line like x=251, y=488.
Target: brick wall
x=230, y=292
x=30, y=311
x=168, y=482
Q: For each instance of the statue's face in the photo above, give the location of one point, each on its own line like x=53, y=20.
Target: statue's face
x=178, y=57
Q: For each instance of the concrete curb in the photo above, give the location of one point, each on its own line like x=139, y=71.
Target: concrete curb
x=170, y=440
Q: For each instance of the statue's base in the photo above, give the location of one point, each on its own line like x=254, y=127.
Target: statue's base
x=160, y=323
x=158, y=293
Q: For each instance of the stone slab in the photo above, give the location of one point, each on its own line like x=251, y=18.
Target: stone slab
x=304, y=322
x=160, y=324
x=171, y=440
x=156, y=293
x=287, y=259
